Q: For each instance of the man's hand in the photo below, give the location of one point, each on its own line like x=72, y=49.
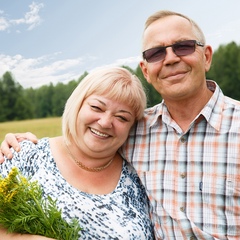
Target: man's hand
x=12, y=140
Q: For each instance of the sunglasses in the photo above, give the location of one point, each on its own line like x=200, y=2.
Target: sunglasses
x=182, y=48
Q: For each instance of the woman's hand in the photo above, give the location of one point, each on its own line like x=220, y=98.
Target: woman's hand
x=12, y=140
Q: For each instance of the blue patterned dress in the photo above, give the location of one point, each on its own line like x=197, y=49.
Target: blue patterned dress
x=121, y=214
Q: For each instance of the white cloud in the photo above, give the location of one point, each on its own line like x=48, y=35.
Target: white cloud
x=31, y=72
x=35, y=72
x=129, y=61
x=31, y=18
x=3, y=24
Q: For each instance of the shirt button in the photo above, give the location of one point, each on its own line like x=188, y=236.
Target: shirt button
x=183, y=175
x=183, y=139
x=182, y=209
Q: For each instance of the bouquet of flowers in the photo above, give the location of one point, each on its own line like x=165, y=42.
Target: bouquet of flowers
x=24, y=210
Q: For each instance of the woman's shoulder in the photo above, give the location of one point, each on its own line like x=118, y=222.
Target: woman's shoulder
x=42, y=142
x=130, y=179
x=29, y=156
x=28, y=147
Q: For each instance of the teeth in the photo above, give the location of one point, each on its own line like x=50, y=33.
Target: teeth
x=99, y=133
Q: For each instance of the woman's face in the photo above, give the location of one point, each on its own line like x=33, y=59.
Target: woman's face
x=103, y=125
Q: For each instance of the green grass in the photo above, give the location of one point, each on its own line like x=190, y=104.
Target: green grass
x=46, y=127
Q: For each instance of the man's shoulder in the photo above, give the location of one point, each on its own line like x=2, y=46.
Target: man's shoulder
x=154, y=110
x=150, y=117
x=232, y=102
x=231, y=106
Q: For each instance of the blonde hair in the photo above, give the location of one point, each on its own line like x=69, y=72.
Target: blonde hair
x=165, y=13
x=116, y=83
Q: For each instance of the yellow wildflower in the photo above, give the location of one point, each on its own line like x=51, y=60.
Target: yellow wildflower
x=24, y=210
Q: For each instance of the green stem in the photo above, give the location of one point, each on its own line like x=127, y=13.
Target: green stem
x=43, y=213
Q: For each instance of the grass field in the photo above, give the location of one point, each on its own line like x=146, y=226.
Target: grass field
x=46, y=127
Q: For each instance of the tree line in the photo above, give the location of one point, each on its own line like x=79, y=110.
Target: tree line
x=49, y=100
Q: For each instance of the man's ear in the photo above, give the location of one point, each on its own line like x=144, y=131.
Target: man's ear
x=208, y=57
x=143, y=66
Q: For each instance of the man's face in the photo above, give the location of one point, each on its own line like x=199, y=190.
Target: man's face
x=175, y=77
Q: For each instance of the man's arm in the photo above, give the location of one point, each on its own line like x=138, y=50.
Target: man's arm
x=12, y=140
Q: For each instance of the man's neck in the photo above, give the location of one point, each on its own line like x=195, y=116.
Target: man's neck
x=185, y=111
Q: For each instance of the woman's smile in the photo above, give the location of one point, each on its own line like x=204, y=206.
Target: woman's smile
x=100, y=134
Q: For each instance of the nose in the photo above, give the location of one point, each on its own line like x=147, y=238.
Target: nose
x=105, y=121
x=171, y=57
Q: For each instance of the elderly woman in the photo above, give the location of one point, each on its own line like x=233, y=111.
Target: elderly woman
x=82, y=168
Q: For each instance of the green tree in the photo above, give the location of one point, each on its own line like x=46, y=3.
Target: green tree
x=152, y=95
x=23, y=109
x=12, y=99
x=30, y=96
x=225, y=69
x=60, y=96
x=44, y=101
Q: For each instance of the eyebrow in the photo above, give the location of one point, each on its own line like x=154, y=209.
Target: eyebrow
x=174, y=42
x=122, y=111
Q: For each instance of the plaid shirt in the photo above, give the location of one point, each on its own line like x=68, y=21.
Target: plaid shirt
x=193, y=177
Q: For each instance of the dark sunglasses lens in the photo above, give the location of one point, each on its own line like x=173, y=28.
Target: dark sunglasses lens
x=180, y=49
x=184, y=48
x=155, y=54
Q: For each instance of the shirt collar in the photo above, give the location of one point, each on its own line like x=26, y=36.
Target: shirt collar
x=211, y=112
x=213, y=109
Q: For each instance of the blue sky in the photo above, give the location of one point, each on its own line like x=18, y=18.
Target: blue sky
x=57, y=40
